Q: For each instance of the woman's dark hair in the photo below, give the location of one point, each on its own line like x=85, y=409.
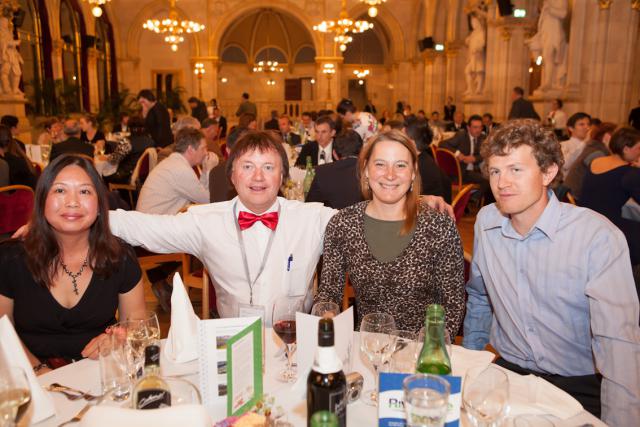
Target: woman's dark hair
x=623, y=137
x=262, y=141
x=41, y=245
x=419, y=130
x=9, y=145
x=91, y=118
x=5, y=137
x=345, y=106
x=599, y=131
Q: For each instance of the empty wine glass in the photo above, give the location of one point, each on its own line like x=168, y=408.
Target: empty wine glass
x=325, y=309
x=15, y=395
x=405, y=353
x=485, y=396
x=283, y=320
x=378, y=344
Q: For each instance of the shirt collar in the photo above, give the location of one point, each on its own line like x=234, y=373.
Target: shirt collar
x=241, y=207
x=547, y=223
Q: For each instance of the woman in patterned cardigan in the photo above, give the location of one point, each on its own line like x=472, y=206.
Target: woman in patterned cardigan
x=400, y=255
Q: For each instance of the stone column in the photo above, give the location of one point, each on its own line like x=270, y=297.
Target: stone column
x=56, y=58
x=434, y=81
x=92, y=67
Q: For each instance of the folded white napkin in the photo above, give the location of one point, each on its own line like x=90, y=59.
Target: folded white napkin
x=463, y=359
x=13, y=354
x=529, y=394
x=182, y=340
x=181, y=415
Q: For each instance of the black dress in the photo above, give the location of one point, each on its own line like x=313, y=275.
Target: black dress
x=607, y=192
x=99, y=136
x=47, y=328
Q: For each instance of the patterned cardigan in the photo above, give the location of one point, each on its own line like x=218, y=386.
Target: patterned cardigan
x=429, y=270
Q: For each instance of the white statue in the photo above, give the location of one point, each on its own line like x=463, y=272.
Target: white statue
x=550, y=42
x=476, y=43
x=10, y=60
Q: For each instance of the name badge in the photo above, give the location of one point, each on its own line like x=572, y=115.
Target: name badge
x=248, y=310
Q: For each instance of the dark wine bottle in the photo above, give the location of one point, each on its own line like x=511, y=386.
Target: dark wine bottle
x=326, y=383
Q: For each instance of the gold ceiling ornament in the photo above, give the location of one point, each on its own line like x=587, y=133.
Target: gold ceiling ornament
x=343, y=27
x=604, y=4
x=173, y=28
x=96, y=9
x=373, y=10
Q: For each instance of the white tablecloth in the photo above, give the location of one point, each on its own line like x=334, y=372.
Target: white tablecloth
x=85, y=376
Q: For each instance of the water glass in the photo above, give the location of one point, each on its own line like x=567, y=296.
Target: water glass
x=485, y=396
x=378, y=344
x=114, y=362
x=325, y=309
x=426, y=400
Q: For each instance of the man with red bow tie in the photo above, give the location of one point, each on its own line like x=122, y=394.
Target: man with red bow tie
x=256, y=247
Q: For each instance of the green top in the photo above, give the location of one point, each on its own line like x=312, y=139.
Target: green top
x=384, y=239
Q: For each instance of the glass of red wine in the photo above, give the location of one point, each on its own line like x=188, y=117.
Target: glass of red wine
x=284, y=324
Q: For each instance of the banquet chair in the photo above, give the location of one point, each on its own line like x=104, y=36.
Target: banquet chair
x=349, y=294
x=16, y=204
x=449, y=164
x=570, y=198
x=199, y=279
x=461, y=201
x=145, y=163
x=434, y=148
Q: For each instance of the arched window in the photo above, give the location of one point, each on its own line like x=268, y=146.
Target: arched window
x=71, y=34
x=33, y=35
x=234, y=54
x=306, y=55
x=271, y=54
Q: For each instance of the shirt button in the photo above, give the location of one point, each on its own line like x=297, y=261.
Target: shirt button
x=530, y=329
x=541, y=358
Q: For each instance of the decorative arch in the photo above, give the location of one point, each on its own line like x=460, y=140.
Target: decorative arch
x=397, y=47
x=135, y=29
x=240, y=49
x=303, y=51
x=230, y=18
x=274, y=53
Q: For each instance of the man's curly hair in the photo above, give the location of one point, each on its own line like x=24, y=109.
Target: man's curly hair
x=515, y=133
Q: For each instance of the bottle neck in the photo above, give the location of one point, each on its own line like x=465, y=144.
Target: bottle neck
x=327, y=360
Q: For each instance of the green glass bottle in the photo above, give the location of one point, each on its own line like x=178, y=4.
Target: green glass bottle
x=308, y=177
x=434, y=358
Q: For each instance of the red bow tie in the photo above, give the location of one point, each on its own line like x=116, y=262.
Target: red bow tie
x=247, y=219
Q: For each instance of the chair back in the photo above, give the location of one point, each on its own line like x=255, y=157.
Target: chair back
x=16, y=204
x=143, y=166
x=462, y=200
x=570, y=198
x=447, y=161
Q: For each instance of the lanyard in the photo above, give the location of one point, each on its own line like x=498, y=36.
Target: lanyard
x=244, y=252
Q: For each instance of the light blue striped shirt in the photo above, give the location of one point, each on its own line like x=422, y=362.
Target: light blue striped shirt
x=560, y=300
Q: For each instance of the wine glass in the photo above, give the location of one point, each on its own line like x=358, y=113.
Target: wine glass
x=15, y=396
x=325, y=309
x=405, y=352
x=283, y=320
x=115, y=363
x=485, y=396
x=142, y=329
x=378, y=344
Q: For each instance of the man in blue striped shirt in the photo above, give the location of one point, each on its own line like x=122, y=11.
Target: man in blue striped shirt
x=551, y=286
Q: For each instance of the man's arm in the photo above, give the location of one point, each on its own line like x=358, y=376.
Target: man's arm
x=477, y=321
x=614, y=312
x=164, y=234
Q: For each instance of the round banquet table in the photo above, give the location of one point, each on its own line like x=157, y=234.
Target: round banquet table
x=85, y=375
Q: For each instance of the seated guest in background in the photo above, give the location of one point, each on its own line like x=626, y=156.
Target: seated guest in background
x=488, y=123
x=122, y=124
x=16, y=166
x=597, y=146
x=173, y=184
x=12, y=123
x=458, y=123
x=466, y=146
x=284, y=126
x=52, y=132
x=210, y=128
x=156, y=118
x=90, y=133
x=72, y=143
x=362, y=122
x=634, y=117
x=320, y=150
x=449, y=109
x=611, y=180
x=307, y=128
x=399, y=254
x=551, y=287
x=246, y=122
x=222, y=121
x=336, y=184
x=421, y=114
x=557, y=119
x=273, y=123
x=578, y=126
x=198, y=109
x=433, y=180
x=435, y=121
x=393, y=125
x=184, y=122
x=129, y=151
x=62, y=285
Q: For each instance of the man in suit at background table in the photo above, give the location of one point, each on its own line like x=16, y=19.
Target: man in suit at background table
x=73, y=143
x=320, y=150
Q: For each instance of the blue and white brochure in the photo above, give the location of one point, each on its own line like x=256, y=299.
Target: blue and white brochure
x=391, y=400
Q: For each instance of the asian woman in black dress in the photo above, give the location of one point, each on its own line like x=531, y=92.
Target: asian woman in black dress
x=62, y=285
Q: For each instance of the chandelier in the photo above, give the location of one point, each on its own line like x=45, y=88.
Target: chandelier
x=268, y=66
x=343, y=28
x=96, y=10
x=172, y=27
x=373, y=10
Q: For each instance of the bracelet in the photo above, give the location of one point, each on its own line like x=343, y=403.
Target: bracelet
x=38, y=368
